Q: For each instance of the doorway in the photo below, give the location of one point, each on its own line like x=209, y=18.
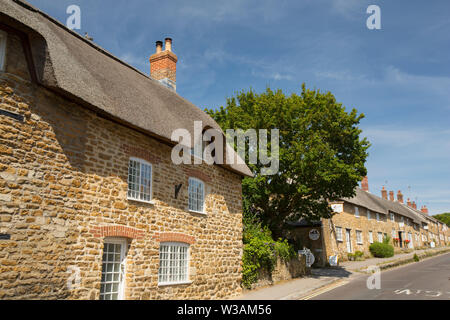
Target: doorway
x=400, y=239
x=349, y=240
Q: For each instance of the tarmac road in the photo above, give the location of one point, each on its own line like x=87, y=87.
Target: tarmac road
x=424, y=280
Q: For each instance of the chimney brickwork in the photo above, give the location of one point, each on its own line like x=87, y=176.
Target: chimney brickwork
x=399, y=196
x=424, y=209
x=163, y=64
x=384, y=193
x=365, y=184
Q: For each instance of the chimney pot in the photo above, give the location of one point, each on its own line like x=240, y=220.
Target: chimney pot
x=414, y=205
x=159, y=46
x=424, y=209
x=168, y=44
x=391, y=195
x=408, y=203
x=365, y=184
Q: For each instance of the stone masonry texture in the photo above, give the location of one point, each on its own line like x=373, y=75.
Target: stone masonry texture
x=63, y=190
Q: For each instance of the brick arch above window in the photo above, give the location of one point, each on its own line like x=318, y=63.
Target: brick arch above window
x=174, y=237
x=117, y=231
x=133, y=151
x=197, y=174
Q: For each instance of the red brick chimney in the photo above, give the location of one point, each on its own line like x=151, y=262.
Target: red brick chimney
x=424, y=209
x=414, y=205
x=163, y=64
x=399, y=196
x=408, y=203
x=365, y=184
x=384, y=193
x=391, y=195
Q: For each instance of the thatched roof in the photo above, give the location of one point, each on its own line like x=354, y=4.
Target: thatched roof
x=79, y=69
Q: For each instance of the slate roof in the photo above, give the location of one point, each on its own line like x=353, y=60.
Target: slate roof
x=380, y=205
x=69, y=64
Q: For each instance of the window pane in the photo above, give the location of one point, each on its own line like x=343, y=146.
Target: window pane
x=139, y=180
x=173, y=263
x=196, y=194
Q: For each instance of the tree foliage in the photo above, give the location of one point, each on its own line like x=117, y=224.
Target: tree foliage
x=443, y=217
x=321, y=155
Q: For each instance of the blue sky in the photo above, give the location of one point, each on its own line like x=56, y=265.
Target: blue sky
x=399, y=76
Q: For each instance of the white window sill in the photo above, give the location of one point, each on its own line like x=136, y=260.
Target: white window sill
x=340, y=240
x=199, y=212
x=142, y=201
x=164, y=284
x=360, y=243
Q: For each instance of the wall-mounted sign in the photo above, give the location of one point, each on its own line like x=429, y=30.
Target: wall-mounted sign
x=314, y=234
x=4, y=236
x=337, y=207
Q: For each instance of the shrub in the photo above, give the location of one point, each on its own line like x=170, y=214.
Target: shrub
x=359, y=254
x=261, y=251
x=416, y=257
x=381, y=250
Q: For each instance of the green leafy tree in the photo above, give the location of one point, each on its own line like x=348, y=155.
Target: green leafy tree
x=443, y=217
x=321, y=155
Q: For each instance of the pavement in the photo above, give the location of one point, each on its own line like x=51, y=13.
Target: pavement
x=425, y=280
x=323, y=280
x=362, y=265
x=294, y=289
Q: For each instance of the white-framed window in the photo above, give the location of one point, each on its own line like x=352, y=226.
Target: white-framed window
x=339, y=234
x=113, y=269
x=378, y=216
x=196, y=195
x=392, y=216
x=368, y=214
x=359, y=239
x=173, y=263
x=394, y=235
x=380, y=237
x=139, y=180
x=357, y=212
x=2, y=50
x=370, y=237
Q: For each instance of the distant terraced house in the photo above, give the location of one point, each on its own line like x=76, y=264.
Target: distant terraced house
x=365, y=218
x=91, y=205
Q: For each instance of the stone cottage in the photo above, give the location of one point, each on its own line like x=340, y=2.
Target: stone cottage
x=91, y=205
x=365, y=218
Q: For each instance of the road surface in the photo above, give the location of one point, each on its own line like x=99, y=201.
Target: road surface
x=424, y=280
